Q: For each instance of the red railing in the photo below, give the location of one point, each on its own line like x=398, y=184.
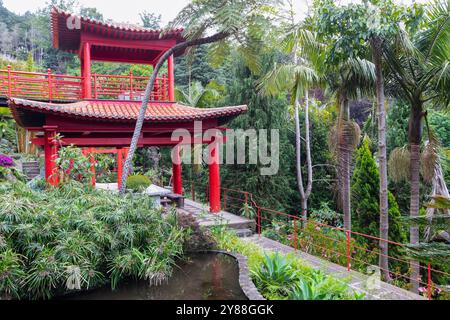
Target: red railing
x=127, y=87
x=352, y=254
x=59, y=87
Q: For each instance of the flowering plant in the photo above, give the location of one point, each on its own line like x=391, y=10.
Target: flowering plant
x=6, y=161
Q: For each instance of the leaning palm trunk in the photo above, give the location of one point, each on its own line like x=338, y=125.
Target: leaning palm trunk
x=148, y=90
x=384, y=206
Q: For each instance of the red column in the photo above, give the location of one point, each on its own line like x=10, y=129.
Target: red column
x=119, y=166
x=170, y=70
x=50, y=154
x=214, y=177
x=176, y=171
x=87, y=90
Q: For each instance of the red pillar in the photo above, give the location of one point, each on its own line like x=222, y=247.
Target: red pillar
x=176, y=171
x=214, y=177
x=50, y=154
x=87, y=90
x=119, y=166
x=170, y=70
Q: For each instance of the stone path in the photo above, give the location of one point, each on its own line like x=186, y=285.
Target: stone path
x=206, y=218
x=357, y=281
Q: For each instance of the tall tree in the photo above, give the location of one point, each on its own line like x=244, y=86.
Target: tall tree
x=358, y=28
x=236, y=20
x=419, y=63
x=298, y=76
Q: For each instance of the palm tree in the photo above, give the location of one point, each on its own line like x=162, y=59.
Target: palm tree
x=207, y=21
x=349, y=79
x=195, y=95
x=298, y=76
x=419, y=65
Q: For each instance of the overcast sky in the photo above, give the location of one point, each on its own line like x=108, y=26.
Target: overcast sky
x=128, y=10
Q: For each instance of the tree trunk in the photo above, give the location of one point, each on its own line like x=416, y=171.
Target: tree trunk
x=384, y=206
x=414, y=211
x=415, y=136
x=344, y=157
x=308, y=157
x=298, y=163
x=148, y=90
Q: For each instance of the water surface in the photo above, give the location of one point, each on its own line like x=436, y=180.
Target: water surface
x=208, y=276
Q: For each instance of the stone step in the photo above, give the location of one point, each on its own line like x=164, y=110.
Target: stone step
x=242, y=233
x=30, y=169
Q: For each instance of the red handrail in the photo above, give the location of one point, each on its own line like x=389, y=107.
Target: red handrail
x=61, y=87
x=245, y=197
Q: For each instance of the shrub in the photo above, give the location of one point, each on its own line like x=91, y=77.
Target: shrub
x=274, y=275
x=6, y=161
x=72, y=230
x=138, y=183
x=326, y=215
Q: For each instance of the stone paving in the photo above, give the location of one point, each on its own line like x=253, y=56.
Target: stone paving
x=206, y=218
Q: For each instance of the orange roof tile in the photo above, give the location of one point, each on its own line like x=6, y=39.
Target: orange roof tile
x=127, y=110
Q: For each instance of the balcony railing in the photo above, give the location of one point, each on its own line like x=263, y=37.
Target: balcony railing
x=59, y=87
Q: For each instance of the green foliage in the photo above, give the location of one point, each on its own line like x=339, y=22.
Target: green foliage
x=318, y=286
x=247, y=211
x=275, y=275
x=325, y=215
x=365, y=192
x=48, y=237
x=73, y=164
x=11, y=273
x=138, y=182
x=279, y=276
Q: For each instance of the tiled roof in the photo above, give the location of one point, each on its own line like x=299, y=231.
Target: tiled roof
x=67, y=37
x=127, y=110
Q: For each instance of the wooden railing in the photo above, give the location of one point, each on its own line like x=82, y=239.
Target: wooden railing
x=58, y=87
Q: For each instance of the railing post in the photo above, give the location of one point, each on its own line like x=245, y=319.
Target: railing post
x=131, y=85
x=429, y=280
x=259, y=222
x=50, y=89
x=347, y=234
x=9, y=81
x=164, y=88
x=295, y=233
x=224, y=199
x=94, y=76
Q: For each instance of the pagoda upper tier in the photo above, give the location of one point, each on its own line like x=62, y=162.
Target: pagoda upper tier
x=110, y=41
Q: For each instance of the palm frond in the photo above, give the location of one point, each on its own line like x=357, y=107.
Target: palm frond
x=398, y=164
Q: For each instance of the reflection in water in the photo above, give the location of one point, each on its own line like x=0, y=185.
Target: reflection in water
x=204, y=277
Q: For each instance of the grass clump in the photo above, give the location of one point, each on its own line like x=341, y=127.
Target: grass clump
x=75, y=237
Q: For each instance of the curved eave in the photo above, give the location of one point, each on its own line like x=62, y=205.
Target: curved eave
x=23, y=110
x=111, y=30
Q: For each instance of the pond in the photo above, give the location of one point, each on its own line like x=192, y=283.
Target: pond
x=204, y=276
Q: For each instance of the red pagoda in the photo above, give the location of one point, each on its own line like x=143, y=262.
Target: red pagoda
x=95, y=110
